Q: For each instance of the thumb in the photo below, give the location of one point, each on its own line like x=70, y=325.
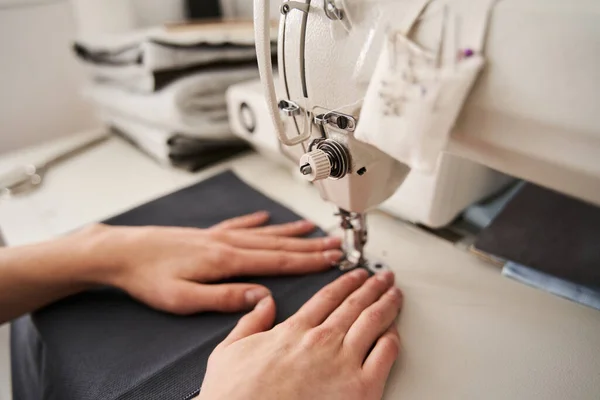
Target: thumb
x=258, y=320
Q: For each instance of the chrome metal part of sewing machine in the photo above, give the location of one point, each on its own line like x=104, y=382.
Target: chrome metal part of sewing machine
x=327, y=158
x=318, y=114
x=355, y=238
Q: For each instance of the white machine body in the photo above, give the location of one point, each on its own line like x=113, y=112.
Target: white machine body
x=510, y=84
x=318, y=90
x=431, y=199
x=249, y=119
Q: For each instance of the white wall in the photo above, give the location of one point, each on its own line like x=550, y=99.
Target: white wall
x=95, y=17
x=39, y=78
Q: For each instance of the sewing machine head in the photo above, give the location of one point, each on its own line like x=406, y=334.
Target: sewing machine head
x=320, y=112
x=375, y=89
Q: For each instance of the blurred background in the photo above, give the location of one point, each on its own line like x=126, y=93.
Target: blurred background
x=41, y=80
x=185, y=96
x=38, y=63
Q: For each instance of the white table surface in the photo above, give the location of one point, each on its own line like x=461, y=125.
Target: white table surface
x=467, y=332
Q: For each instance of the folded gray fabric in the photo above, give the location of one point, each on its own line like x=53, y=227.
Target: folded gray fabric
x=159, y=143
x=193, y=105
x=143, y=60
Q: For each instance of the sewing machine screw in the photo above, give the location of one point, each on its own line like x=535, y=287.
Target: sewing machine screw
x=342, y=122
x=296, y=5
x=361, y=171
x=315, y=165
x=289, y=108
x=306, y=169
x=325, y=159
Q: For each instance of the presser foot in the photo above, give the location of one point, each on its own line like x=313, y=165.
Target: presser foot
x=373, y=266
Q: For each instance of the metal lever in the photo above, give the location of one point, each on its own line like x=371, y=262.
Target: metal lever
x=293, y=5
x=262, y=33
x=289, y=108
x=354, y=226
x=341, y=121
x=332, y=12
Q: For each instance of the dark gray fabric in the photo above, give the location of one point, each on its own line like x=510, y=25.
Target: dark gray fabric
x=103, y=345
x=202, y=9
x=548, y=231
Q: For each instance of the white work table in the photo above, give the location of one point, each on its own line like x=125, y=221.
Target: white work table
x=467, y=332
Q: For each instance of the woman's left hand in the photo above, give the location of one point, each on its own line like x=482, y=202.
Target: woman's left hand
x=173, y=269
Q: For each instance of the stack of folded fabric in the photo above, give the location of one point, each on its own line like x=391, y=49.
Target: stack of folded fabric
x=164, y=88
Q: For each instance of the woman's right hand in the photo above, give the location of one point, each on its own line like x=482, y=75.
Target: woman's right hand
x=340, y=345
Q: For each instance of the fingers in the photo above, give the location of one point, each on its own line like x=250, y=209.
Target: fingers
x=264, y=242
x=252, y=223
x=322, y=304
x=268, y=262
x=245, y=221
x=346, y=314
x=298, y=228
x=258, y=320
x=191, y=297
x=373, y=322
x=381, y=359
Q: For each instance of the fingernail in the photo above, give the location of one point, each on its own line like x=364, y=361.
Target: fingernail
x=395, y=293
x=254, y=296
x=304, y=223
x=261, y=214
x=385, y=277
x=359, y=273
x=263, y=302
x=333, y=256
x=332, y=241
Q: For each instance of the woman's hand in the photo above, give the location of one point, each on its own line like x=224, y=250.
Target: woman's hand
x=171, y=268
x=340, y=345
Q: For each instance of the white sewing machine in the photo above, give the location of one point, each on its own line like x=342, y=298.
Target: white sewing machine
x=373, y=89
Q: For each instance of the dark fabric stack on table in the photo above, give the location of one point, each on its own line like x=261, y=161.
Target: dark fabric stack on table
x=198, y=9
x=170, y=82
x=104, y=345
x=548, y=238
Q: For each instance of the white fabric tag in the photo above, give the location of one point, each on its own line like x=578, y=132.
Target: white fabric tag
x=415, y=96
x=409, y=112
